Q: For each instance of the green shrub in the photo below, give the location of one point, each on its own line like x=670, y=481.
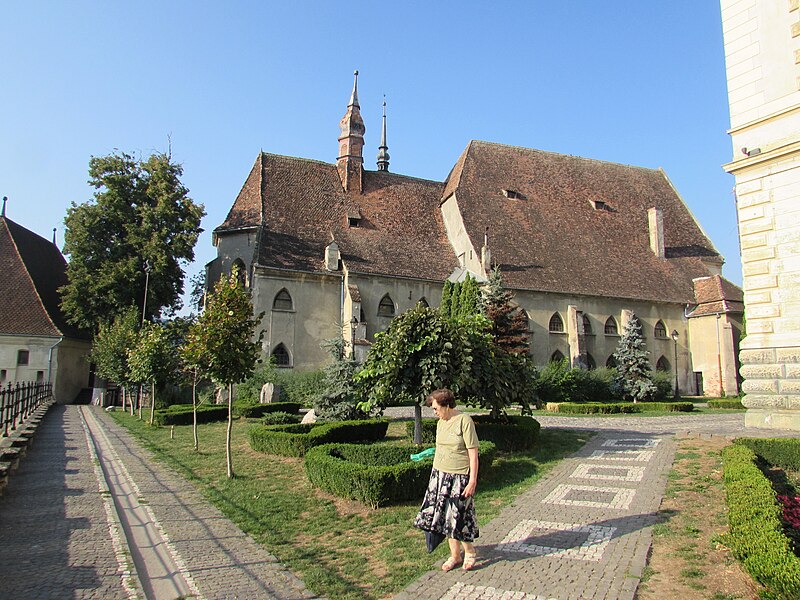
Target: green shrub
x=253, y=411
x=295, y=440
x=375, y=474
x=599, y=408
x=663, y=382
x=783, y=453
x=279, y=418
x=300, y=386
x=181, y=414
x=667, y=406
x=515, y=433
x=756, y=533
x=736, y=403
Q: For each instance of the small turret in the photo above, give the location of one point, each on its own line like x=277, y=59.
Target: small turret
x=383, y=149
x=350, y=162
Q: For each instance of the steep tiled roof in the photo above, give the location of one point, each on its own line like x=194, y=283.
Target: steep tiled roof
x=400, y=232
x=246, y=209
x=32, y=271
x=552, y=238
x=715, y=294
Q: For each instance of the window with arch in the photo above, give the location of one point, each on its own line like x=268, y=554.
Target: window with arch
x=282, y=301
x=241, y=271
x=587, y=325
x=611, y=362
x=590, y=362
x=423, y=302
x=557, y=356
x=611, y=326
x=660, y=330
x=556, y=324
x=281, y=356
x=662, y=364
x=386, y=307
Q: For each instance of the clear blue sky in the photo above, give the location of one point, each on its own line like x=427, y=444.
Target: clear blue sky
x=630, y=81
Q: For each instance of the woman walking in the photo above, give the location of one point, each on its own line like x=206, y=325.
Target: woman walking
x=449, y=507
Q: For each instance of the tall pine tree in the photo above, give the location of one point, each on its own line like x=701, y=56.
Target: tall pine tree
x=633, y=378
x=509, y=322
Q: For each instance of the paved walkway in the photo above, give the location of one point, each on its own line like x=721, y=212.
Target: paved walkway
x=86, y=487
x=60, y=535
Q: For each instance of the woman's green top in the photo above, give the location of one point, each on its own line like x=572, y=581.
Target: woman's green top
x=453, y=437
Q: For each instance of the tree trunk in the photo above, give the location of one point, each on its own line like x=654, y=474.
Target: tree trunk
x=228, y=434
x=141, y=400
x=123, y=398
x=152, y=402
x=417, y=424
x=194, y=411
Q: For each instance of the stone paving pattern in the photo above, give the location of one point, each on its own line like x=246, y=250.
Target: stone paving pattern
x=581, y=532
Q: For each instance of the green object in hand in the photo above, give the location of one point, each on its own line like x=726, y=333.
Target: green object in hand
x=424, y=454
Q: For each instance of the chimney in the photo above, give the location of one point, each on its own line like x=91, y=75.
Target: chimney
x=655, y=221
x=486, y=254
x=332, y=256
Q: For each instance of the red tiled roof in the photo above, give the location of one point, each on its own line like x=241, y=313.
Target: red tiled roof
x=400, y=232
x=552, y=238
x=715, y=294
x=33, y=269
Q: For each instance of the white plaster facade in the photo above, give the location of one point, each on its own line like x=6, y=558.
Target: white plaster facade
x=762, y=54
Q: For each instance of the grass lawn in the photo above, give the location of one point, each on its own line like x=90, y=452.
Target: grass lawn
x=339, y=548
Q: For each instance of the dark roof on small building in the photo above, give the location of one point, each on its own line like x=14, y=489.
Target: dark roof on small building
x=32, y=270
x=546, y=233
x=715, y=294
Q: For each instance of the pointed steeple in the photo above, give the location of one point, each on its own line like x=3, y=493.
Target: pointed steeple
x=350, y=162
x=383, y=149
x=54, y=236
x=5, y=199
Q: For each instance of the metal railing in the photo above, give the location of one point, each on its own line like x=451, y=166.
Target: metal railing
x=18, y=401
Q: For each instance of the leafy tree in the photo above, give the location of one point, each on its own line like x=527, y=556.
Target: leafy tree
x=223, y=344
x=339, y=398
x=447, y=295
x=419, y=353
x=633, y=377
x=153, y=359
x=110, y=349
x=141, y=214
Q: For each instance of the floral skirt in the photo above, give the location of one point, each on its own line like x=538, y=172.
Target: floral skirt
x=445, y=511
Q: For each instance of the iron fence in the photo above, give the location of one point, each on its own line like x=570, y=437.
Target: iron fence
x=18, y=401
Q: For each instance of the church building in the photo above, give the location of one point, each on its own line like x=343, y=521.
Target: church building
x=334, y=249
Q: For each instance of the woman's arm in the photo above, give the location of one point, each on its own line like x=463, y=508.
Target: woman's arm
x=473, y=472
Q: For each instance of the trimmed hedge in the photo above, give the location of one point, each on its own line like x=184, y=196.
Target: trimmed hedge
x=375, y=474
x=756, y=533
x=591, y=408
x=725, y=404
x=295, y=440
x=279, y=418
x=254, y=411
x=181, y=414
x=783, y=453
x=519, y=433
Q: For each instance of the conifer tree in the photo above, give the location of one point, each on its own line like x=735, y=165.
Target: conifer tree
x=509, y=322
x=447, y=297
x=633, y=378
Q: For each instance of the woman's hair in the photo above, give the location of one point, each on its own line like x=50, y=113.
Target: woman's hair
x=443, y=397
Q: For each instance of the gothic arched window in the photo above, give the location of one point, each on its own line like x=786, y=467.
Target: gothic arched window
x=281, y=356
x=556, y=356
x=282, y=301
x=660, y=331
x=611, y=326
x=556, y=324
x=590, y=363
x=611, y=362
x=587, y=325
x=386, y=307
x=663, y=365
x=423, y=302
x=241, y=271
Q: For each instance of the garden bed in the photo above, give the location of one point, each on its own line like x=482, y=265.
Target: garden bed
x=375, y=474
x=295, y=440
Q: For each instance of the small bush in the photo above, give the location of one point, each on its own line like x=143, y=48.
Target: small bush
x=599, y=408
x=515, y=433
x=279, y=418
x=254, y=411
x=664, y=386
x=295, y=440
x=783, y=453
x=667, y=406
x=736, y=403
x=300, y=386
x=181, y=414
x=756, y=533
x=375, y=474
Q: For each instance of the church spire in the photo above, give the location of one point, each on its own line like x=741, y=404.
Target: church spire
x=383, y=149
x=350, y=162
x=5, y=199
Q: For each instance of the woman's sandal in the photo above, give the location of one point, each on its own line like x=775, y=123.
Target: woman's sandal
x=450, y=564
x=469, y=561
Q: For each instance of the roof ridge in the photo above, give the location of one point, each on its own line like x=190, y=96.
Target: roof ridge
x=574, y=156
